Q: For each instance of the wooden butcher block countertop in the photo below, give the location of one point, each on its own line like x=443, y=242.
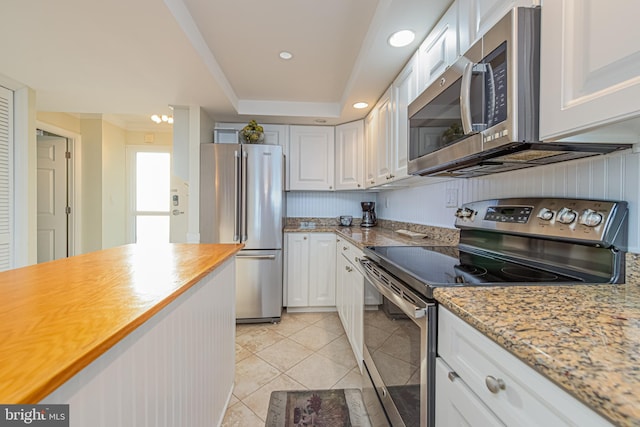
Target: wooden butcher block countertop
x=59, y=316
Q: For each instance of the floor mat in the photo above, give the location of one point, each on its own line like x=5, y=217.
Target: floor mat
x=317, y=408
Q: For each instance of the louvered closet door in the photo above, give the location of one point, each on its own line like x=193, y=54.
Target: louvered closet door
x=6, y=178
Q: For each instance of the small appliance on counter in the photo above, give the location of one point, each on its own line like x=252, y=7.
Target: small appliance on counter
x=368, y=214
x=345, y=220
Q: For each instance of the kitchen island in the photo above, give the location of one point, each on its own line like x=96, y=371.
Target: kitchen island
x=133, y=331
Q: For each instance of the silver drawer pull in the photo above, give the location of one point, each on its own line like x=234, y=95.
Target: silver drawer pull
x=452, y=376
x=494, y=384
x=349, y=269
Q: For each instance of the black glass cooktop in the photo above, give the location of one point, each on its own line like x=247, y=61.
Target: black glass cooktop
x=445, y=265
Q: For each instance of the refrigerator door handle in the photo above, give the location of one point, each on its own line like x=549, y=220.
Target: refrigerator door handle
x=257, y=256
x=245, y=224
x=236, y=218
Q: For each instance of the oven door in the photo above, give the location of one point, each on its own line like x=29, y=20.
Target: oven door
x=399, y=353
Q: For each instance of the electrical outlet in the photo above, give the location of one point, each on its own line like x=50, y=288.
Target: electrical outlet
x=451, y=196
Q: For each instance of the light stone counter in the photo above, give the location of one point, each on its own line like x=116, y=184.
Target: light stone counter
x=585, y=338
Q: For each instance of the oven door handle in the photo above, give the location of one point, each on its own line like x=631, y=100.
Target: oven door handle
x=407, y=307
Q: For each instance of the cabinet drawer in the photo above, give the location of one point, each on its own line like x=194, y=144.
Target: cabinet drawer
x=456, y=404
x=350, y=251
x=521, y=395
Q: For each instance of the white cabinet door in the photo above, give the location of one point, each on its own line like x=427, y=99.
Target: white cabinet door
x=590, y=65
x=371, y=138
x=456, y=404
x=311, y=152
x=439, y=49
x=350, y=156
x=297, y=260
x=356, y=293
x=383, y=139
x=322, y=269
x=476, y=17
x=404, y=90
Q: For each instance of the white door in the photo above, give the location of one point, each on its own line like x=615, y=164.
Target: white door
x=52, y=239
x=149, y=182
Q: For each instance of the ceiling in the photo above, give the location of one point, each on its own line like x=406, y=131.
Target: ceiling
x=130, y=59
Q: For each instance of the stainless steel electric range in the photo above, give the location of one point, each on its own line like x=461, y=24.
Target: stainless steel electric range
x=503, y=242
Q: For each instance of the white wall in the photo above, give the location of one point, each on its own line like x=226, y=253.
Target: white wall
x=114, y=217
x=615, y=177
x=321, y=204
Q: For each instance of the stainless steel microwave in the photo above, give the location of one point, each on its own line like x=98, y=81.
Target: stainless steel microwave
x=487, y=98
x=481, y=115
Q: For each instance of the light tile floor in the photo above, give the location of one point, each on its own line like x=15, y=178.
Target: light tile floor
x=304, y=351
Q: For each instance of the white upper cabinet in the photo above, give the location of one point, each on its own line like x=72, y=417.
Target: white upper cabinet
x=476, y=17
x=590, y=65
x=404, y=90
x=311, y=158
x=350, y=157
x=370, y=140
x=439, y=49
x=384, y=138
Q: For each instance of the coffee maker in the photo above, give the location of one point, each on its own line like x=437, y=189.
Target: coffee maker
x=368, y=214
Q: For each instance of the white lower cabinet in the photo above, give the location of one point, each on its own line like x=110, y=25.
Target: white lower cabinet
x=311, y=269
x=350, y=295
x=456, y=404
x=482, y=383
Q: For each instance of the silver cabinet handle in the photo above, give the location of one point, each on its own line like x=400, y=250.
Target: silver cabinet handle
x=494, y=384
x=349, y=269
x=357, y=259
x=452, y=376
x=304, y=238
x=344, y=248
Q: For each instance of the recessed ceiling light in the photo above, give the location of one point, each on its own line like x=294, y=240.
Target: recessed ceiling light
x=360, y=105
x=286, y=55
x=401, y=38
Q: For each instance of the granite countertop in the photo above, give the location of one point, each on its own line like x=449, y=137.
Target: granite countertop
x=378, y=236
x=585, y=338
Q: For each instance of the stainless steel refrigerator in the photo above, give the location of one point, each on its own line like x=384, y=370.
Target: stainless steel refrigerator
x=242, y=201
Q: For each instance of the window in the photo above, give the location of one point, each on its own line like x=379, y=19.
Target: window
x=149, y=178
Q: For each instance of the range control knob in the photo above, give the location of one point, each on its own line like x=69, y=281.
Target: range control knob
x=567, y=215
x=545, y=214
x=590, y=218
x=464, y=213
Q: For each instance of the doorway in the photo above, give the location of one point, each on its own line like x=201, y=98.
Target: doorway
x=149, y=184
x=53, y=202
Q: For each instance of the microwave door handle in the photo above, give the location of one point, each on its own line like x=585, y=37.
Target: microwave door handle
x=465, y=98
x=492, y=95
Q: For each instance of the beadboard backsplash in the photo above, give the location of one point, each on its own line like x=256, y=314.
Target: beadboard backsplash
x=326, y=204
x=613, y=177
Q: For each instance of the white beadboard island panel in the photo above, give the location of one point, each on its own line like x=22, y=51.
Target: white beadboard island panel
x=615, y=176
x=177, y=369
